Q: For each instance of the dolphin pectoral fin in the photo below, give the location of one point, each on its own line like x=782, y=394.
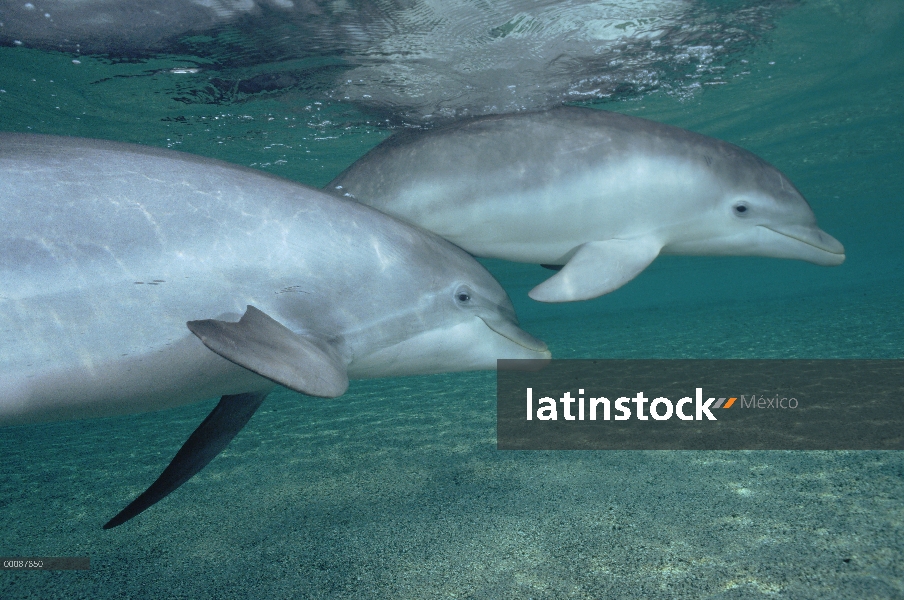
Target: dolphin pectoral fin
x=597, y=268
x=208, y=440
x=265, y=346
x=553, y=267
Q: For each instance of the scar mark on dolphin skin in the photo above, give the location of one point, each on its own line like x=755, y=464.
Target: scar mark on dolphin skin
x=147, y=214
x=586, y=147
x=708, y=159
x=292, y=289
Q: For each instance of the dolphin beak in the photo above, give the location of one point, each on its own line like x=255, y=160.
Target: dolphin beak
x=819, y=247
x=507, y=329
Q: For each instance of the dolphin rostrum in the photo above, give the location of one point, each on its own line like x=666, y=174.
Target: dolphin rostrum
x=599, y=192
x=138, y=278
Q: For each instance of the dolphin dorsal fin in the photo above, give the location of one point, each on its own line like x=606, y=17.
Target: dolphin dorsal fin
x=261, y=344
x=598, y=268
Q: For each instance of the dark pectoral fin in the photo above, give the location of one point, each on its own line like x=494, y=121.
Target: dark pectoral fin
x=208, y=440
x=553, y=267
x=265, y=346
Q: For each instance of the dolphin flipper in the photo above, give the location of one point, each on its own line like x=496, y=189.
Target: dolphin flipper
x=598, y=268
x=260, y=344
x=265, y=346
x=208, y=440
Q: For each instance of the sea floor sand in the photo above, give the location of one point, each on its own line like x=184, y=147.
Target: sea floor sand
x=396, y=490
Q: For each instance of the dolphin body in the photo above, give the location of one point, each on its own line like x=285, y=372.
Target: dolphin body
x=138, y=278
x=596, y=194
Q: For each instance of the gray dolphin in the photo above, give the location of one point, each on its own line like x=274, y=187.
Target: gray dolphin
x=139, y=278
x=599, y=192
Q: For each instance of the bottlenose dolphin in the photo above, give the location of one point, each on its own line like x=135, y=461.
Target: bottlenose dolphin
x=139, y=278
x=599, y=192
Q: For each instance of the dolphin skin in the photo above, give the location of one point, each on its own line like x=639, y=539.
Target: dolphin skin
x=595, y=194
x=138, y=278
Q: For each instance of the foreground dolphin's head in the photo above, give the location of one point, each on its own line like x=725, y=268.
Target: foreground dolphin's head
x=758, y=213
x=463, y=321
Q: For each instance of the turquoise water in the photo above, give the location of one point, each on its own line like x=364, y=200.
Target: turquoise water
x=395, y=490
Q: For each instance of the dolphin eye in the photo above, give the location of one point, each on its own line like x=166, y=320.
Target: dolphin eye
x=741, y=209
x=462, y=295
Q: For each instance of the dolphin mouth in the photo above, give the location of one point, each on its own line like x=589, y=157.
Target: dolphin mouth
x=821, y=248
x=509, y=330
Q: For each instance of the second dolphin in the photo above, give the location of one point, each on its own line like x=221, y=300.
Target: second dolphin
x=599, y=192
